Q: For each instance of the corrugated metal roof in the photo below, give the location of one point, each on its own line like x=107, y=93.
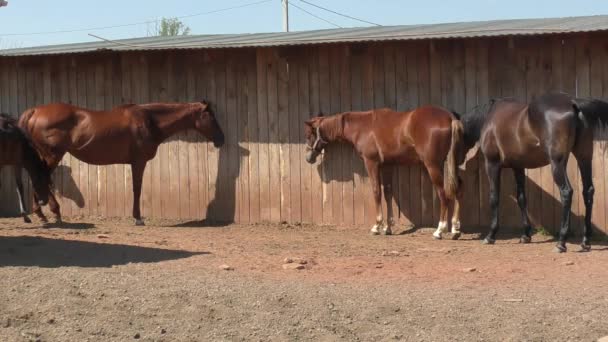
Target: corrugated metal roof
x=366, y=34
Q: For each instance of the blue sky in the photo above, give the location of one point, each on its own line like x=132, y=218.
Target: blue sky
x=26, y=16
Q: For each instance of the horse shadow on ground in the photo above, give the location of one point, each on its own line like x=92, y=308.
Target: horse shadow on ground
x=221, y=211
x=338, y=165
x=51, y=253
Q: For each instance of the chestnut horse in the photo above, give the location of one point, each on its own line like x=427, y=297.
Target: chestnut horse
x=521, y=136
x=128, y=134
x=16, y=150
x=428, y=135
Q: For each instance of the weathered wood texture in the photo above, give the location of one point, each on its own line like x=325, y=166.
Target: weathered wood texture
x=263, y=95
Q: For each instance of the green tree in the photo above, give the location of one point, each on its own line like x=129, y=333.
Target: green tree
x=172, y=27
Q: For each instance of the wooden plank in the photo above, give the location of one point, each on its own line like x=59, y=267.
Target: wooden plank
x=367, y=103
x=348, y=216
x=102, y=178
x=304, y=111
x=483, y=95
x=294, y=146
x=403, y=172
x=92, y=103
x=335, y=152
x=83, y=169
x=168, y=198
x=414, y=194
x=316, y=170
x=141, y=84
x=231, y=153
x=254, y=138
x=244, y=141
x=181, y=140
x=379, y=100
x=284, y=85
x=325, y=107
x=273, y=136
x=390, y=100
x=156, y=86
x=597, y=89
x=200, y=65
x=356, y=97
x=262, y=60
x=193, y=139
x=432, y=82
x=109, y=102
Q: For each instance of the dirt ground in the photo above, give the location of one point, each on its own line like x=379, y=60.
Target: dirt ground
x=106, y=280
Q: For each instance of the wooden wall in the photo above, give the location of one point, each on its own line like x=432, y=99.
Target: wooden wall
x=263, y=95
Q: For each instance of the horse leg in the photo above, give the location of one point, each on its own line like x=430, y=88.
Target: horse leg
x=387, y=180
x=374, y=175
x=456, y=215
x=493, y=170
x=558, y=168
x=54, y=206
x=588, y=191
x=137, y=172
x=436, y=176
x=19, y=182
x=520, y=181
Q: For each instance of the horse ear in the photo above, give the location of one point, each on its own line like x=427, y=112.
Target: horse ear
x=205, y=105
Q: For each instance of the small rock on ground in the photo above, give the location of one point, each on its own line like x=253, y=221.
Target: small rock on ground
x=293, y=266
x=469, y=269
x=226, y=268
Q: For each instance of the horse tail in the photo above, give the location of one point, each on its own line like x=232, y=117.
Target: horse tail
x=593, y=111
x=451, y=181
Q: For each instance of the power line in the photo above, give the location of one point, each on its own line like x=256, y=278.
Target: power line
x=134, y=24
x=340, y=14
x=314, y=15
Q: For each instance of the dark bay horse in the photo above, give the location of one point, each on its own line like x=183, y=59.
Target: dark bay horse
x=16, y=149
x=128, y=134
x=521, y=136
x=429, y=135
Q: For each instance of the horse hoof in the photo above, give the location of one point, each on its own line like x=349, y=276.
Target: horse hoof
x=387, y=232
x=455, y=236
x=58, y=221
x=525, y=239
x=488, y=241
x=560, y=249
x=27, y=219
x=139, y=222
x=585, y=248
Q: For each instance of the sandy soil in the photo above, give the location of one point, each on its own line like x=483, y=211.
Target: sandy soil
x=105, y=280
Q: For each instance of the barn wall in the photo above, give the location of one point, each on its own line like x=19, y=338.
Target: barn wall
x=263, y=95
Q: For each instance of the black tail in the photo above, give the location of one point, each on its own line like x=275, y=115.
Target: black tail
x=594, y=111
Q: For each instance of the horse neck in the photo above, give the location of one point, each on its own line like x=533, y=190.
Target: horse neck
x=170, y=119
x=332, y=128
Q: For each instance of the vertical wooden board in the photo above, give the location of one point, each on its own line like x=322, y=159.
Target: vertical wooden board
x=601, y=144
x=429, y=91
x=231, y=203
x=390, y=100
x=199, y=67
x=335, y=152
x=483, y=96
x=284, y=82
x=244, y=140
x=83, y=169
x=5, y=108
x=598, y=90
x=174, y=202
x=316, y=170
x=72, y=177
x=303, y=112
x=253, y=138
x=325, y=107
x=262, y=58
x=470, y=212
x=348, y=216
x=109, y=82
x=141, y=84
x=92, y=169
x=100, y=98
x=403, y=172
x=154, y=65
x=181, y=139
x=273, y=135
x=380, y=102
x=294, y=143
x=413, y=193
x=356, y=98
x=569, y=86
x=367, y=103
x=167, y=201
x=193, y=138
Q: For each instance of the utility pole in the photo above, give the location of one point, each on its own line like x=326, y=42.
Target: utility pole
x=285, y=4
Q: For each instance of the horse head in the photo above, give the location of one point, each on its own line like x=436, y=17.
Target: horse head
x=315, y=143
x=206, y=123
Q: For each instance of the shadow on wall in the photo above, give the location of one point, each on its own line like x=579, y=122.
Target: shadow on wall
x=69, y=189
x=221, y=210
x=45, y=252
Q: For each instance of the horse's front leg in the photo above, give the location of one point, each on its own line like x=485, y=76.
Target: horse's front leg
x=19, y=183
x=137, y=172
x=493, y=170
x=373, y=170
x=558, y=168
x=387, y=181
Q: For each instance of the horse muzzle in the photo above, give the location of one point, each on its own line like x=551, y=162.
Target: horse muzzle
x=311, y=156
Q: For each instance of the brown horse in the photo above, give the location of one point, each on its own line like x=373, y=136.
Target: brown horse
x=521, y=136
x=16, y=150
x=129, y=134
x=428, y=135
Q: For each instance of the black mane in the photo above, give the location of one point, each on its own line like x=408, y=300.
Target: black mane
x=474, y=119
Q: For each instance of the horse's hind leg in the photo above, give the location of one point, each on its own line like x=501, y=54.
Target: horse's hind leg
x=374, y=176
x=387, y=181
x=558, y=168
x=54, y=206
x=37, y=209
x=436, y=176
x=584, y=166
x=456, y=216
x=19, y=183
x=493, y=170
x=520, y=181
